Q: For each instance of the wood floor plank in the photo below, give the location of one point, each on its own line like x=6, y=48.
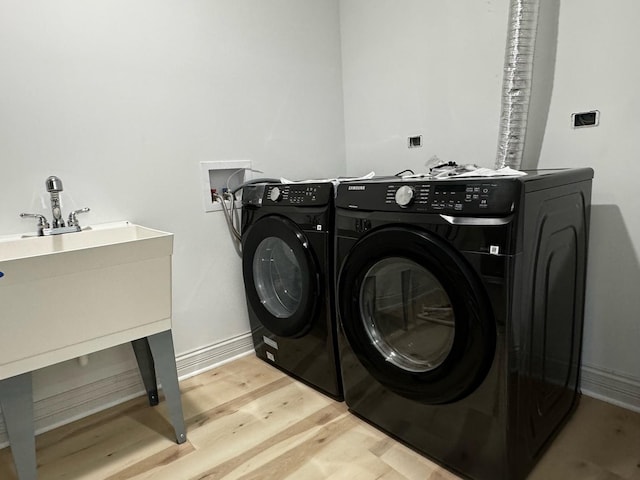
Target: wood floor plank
x=204, y=416
x=221, y=385
x=247, y=421
x=347, y=453
x=100, y=451
x=151, y=462
x=413, y=467
x=285, y=463
x=249, y=425
x=310, y=427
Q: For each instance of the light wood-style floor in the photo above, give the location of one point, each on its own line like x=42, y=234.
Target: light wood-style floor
x=247, y=420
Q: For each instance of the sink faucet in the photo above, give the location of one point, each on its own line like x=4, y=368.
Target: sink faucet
x=57, y=227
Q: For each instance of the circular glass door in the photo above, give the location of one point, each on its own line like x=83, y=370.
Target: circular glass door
x=416, y=315
x=280, y=276
x=277, y=277
x=407, y=314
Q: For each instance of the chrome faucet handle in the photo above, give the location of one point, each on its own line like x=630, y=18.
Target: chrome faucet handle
x=42, y=220
x=73, y=221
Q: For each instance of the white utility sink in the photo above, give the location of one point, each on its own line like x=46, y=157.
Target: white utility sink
x=68, y=295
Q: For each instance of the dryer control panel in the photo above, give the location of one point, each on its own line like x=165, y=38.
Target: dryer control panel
x=449, y=197
x=298, y=194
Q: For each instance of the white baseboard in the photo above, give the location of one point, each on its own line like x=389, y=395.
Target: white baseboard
x=611, y=387
x=71, y=405
x=203, y=359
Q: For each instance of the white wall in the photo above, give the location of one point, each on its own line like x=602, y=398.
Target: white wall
x=421, y=67
x=123, y=99
x=431, y=68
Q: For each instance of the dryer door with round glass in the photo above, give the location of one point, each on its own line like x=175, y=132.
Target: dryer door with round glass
x=280, y=276
x=416, y=315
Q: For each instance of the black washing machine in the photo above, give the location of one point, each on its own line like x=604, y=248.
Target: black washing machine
x=287, y=265
x=461, y=311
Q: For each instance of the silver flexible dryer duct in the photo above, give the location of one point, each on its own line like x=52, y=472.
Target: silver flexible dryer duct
x=517, y=81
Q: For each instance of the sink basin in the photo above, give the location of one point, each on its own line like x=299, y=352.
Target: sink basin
x=68, y=295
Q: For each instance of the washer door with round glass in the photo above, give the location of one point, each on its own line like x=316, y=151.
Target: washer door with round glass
x=280, y=276
x=416, y=315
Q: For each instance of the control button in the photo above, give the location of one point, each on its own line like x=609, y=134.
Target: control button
x=404, y=196
x=275, y=195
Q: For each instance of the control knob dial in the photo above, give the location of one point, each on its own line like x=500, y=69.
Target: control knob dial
x=404, y=196
x=275, y=194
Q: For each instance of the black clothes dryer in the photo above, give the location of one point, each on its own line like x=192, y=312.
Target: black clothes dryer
x=287, y=265
x=461, y=310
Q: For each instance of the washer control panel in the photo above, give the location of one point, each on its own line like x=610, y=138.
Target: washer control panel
x=298, y=194
x=449, y=197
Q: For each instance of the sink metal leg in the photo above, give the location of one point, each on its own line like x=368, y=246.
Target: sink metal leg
x=161, y=345
x=16, y=402
x=147, y=368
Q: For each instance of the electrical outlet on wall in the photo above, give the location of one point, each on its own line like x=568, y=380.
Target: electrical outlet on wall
x=220, y=175
x=414, y=141
x=585, y=119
